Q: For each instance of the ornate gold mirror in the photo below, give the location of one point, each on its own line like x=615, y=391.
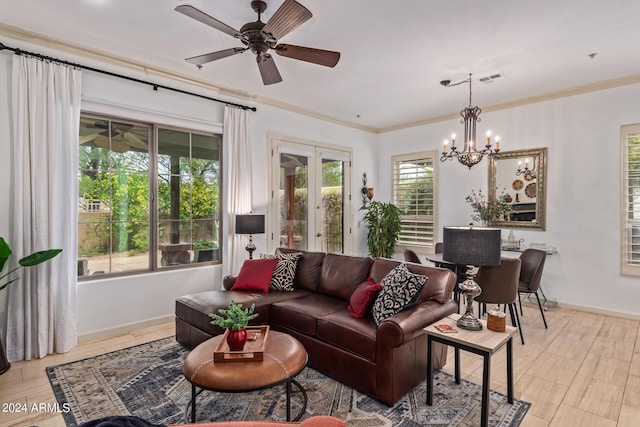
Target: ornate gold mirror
x=521, y=176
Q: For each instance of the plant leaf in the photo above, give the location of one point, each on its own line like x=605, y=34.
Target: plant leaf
x=5, y=251
x=39, y=257
x=8, y=283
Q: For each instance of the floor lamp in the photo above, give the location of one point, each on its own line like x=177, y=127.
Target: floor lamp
x=250, y=224
x=472, y=247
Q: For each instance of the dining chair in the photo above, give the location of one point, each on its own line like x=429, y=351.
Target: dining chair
x=499, y=285
x=530, y=276
x=411, y=256
x=438, y=248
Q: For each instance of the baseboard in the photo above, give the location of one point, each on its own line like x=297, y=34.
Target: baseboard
x=596, y=310
x=125, y=329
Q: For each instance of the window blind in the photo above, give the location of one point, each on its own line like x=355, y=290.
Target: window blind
x=414, y=194
x=631, y=200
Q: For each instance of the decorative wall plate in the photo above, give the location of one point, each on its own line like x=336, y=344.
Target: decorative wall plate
x=517, y=184
x=530, y=191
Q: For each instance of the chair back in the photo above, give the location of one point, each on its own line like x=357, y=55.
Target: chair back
x=438, y=248
x=411, y=256
x=499, y=283
x=531, y=271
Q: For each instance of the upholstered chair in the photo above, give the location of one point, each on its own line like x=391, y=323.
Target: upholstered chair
x=499, y=285
x=530, y=275
x=411, y=256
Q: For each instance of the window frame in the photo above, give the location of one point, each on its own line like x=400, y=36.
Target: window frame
x=156, y=121
x=626, y=223
x=396, y=160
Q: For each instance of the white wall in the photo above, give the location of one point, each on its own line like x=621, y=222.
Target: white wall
x=582, y=134
x=117, y=302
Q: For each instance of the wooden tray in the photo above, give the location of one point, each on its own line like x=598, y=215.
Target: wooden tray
x=253, y=349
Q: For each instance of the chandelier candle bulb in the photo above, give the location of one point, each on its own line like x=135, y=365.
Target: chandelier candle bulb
x=489, y=138
x=444, y=150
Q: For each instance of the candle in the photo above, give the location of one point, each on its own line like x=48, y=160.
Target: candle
x=446, y=142
x=497, y=142
x=453, y=140
x=488, y=137
x=526, y=164
x=519, y=165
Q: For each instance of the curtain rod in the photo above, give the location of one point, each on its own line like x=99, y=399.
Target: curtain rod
x=155, y=86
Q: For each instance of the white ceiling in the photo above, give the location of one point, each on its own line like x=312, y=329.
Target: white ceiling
x=394, y=52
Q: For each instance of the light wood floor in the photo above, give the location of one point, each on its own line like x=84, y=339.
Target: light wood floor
x=583, y=371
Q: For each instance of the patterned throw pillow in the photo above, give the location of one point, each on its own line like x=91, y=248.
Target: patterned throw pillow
x=285, y=271
x=400, y=289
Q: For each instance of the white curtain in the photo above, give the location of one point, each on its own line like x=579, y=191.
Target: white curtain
x=238, y=189
x=45, y=103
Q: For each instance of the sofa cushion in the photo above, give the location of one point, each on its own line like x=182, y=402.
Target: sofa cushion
x=400, y=289
x=285, y=272
x=255, y=275
x=342, y=274
x=357, y=336
x=308, y=271
x=362, y=299
x=302, y=315
x=194, y=308
x=438, y=287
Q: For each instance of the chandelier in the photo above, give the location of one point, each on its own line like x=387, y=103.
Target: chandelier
x=469, y=155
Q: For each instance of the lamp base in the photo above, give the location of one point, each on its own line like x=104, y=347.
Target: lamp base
x=250, y=247
x=470, y=289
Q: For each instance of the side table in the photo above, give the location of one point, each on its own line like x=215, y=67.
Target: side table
x=484, y=343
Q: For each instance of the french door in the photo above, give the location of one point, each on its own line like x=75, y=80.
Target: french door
x=310, y=205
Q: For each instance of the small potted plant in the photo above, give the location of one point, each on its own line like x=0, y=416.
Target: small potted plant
x=235, y=319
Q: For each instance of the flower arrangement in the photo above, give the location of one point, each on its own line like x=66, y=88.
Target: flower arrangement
x=235, y=317
x=485, y=210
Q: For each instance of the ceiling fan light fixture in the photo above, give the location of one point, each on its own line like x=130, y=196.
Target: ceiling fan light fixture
x=260, y=37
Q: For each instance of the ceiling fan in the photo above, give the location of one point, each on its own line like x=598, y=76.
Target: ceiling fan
x=260, y=37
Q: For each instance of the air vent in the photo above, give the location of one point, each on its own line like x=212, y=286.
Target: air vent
x=491, y=78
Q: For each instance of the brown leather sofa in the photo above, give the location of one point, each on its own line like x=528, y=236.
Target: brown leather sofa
x=385, y=361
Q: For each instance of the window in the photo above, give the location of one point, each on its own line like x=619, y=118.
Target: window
x=630, y=139
x=414, y=184
x=134, y=178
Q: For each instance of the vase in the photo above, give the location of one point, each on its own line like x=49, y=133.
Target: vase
x=236, y=339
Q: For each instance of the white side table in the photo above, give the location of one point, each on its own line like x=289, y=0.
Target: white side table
x=484, y=343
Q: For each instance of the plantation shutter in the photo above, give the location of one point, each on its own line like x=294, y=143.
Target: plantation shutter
x=414, y=178
x=631, y=200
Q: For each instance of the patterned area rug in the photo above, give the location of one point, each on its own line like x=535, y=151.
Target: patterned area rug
x=147, y=381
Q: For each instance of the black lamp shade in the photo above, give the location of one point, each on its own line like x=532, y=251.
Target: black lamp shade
x=249, y=224
x=471, y=246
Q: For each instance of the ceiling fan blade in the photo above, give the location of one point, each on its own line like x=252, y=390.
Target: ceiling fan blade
x=208, y=57
x=134, y=141
x=199, y=15
x=87, y=138
x=288, y=16
x=328, y=58
x=268, y=70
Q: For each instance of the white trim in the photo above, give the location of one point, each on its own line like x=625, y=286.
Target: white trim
x=114, y=109
x=126, y=328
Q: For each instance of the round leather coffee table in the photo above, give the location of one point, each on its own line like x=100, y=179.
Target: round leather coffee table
x=284, y=358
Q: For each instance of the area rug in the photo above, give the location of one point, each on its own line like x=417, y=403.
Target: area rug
x=147, y=381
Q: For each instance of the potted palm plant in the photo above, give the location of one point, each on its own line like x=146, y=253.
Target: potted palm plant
x=28, y=261
x=384, y=223
x=235, y=319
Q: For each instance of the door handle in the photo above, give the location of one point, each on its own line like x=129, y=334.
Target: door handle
x=318, y=234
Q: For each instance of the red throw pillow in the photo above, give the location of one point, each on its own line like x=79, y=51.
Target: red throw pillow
x=362, y=299
x=255, y=275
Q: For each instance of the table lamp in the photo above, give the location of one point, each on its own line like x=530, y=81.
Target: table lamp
x=250, y=224
x=473, y=247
